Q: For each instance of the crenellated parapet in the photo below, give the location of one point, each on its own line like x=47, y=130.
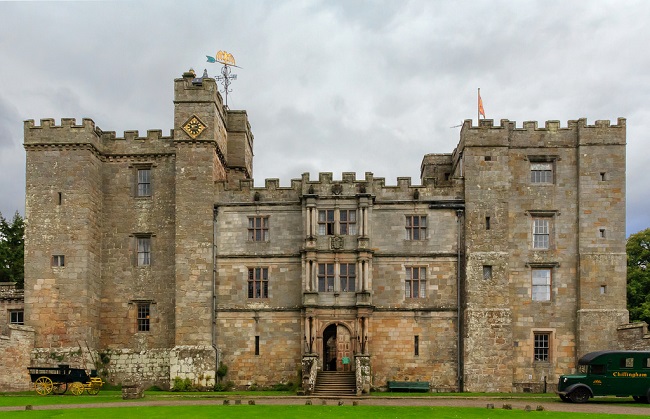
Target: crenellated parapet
x=530, y=135
x=326, y=187
x=104, y=143
x=68, y=133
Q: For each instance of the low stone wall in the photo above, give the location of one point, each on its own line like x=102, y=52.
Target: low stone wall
x=198, y=363
x=141, y=368
x=634, y=336
x=15, y=349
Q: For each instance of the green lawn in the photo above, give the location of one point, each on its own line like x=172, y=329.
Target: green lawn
x=301, y=412
x=315, y=411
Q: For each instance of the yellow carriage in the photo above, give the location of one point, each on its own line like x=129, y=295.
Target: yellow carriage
x=58, y=380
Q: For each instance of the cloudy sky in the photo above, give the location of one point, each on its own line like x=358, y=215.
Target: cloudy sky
x=331, y=86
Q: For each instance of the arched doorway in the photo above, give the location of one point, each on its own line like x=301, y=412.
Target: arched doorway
x=337, y=348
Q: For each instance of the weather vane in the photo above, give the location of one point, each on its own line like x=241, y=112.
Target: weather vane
x=228, y=61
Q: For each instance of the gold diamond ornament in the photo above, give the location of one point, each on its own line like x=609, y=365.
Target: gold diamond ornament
x=194, y=127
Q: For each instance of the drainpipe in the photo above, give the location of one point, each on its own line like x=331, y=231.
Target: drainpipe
x=215, y=211
x=459, y=292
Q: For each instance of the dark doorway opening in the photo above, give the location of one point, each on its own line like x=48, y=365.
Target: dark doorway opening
x=329, y=348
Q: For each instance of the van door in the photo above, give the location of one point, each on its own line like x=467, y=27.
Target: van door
x=599, y=382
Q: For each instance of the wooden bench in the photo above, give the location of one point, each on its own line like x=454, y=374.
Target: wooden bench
x=408, y=386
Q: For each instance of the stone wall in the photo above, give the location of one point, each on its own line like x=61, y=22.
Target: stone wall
x=634, y=336
x=11, y=299
x=279, y=339
x=15, y=348
x=392, y=339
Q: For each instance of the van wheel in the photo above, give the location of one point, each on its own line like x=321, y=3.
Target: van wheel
x=640, y=399
x=579, y=395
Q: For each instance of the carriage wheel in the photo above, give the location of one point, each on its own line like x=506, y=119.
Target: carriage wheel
x=60, y=388
x=43, y=385
x=77, y=388
x=93, y=389
x=95, y=384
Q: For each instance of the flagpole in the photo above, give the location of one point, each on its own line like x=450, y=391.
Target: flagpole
x=478, y=107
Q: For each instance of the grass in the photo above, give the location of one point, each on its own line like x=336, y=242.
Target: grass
x=302, y=411
x=316, y=411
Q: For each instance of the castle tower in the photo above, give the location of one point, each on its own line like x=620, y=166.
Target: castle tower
x=602, y=264
x=544, y=240
x=62, y=246
x=213, y=145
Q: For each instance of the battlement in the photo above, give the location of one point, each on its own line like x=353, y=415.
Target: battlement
x=88, y=125
x=551, y=125
x=531, y=135
x=106, y=143
x=328, y=188
x=134, y=135
x=70, y=123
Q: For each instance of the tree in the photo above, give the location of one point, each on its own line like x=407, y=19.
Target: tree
x=638, y=276
x=12, y=250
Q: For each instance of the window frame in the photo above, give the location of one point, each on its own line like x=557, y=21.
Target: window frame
x=349, y=277
x=143, y=317
x=414, y=229
x=17, y=317
x=258, y=228
x=536, y=285
x=57, y=261
x=143, y=184
x=542, y=169
x=347, y=222
x=258, y=283
x=487, y=272
x=542, y=227
x=326, y=225
x=410, y=280
x=326, y=276
x=541, y=346
x=541, y=173
x=143, y=250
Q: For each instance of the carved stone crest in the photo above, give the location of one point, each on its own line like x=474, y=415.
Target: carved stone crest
x=336, y=243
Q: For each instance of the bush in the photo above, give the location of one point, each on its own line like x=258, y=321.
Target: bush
x=181, y=384
x=284, y=387
x=224, y=386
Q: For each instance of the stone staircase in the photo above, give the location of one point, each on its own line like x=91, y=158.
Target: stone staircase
x=335, y=383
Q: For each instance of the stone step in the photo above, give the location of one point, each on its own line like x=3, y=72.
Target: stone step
x=335, y=383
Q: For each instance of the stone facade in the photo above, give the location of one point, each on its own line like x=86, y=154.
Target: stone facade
x=160, y=256
x=15, y=347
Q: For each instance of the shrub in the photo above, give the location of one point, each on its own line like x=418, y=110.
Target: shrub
x=228, y=386
x=181, y=384
x=284, y=387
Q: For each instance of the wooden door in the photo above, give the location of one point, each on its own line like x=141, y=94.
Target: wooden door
x=343, y=349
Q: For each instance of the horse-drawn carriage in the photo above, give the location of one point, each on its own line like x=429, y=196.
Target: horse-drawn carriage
x=58, y=380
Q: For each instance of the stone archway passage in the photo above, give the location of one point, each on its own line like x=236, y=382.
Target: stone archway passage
x=337, y=348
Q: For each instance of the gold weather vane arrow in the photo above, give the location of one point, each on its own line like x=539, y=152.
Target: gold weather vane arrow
x=225, y=58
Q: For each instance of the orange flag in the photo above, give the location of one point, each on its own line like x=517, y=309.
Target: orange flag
x=481, y=111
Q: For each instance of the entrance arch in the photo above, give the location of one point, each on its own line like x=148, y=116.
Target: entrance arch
x=337, y=348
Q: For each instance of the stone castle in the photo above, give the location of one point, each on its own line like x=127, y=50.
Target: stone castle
x=157, y=257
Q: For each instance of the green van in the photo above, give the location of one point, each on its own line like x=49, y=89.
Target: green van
x=608, y=373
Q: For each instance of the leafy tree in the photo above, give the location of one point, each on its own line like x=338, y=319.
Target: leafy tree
x=638, y=276
x=12, y=250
